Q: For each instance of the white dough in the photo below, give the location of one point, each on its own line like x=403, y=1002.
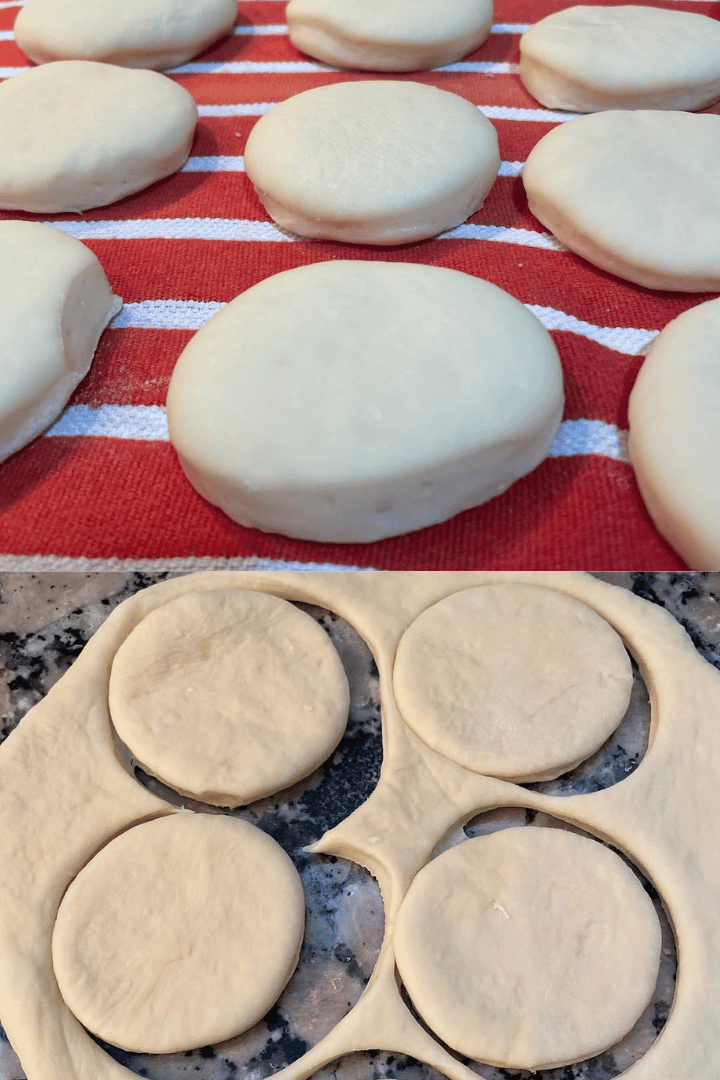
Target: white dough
x=76, y=134
x=635, y=193
x=377, y=162
x=405, y=35
x=55, y=301
x=349, y=400
x=591, y=58
x=137, y=33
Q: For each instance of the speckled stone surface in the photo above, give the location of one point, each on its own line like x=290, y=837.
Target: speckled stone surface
x=45, y=619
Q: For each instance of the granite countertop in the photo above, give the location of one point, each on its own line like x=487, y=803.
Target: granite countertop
x=45, y=619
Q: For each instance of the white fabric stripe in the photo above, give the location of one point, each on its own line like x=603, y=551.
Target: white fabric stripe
x=481, y=65
x=294, y=67
x=493, y=112
x=624, y=339
x=7, y=35
x=509, y=28
x=577, y=437
x=12, y=3
x=8, y=72
x=504, y=235
x=251, y=109
x=237, y=164
x=279, y=28
x=176, y=564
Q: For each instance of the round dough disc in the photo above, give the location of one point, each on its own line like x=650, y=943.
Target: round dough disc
x=529, y=948
x=229, y=695
x=635, y=194
x=181, y=932
x=406, y=35
x=54, y=303
x=377, y=162
x=591, y=58
x=479, y=683
x=76, y=134
x=350, y=400
x=137, y=33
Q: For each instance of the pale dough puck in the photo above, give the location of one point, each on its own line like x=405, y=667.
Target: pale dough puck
x=55, y=301
x=405, y=35
x=155, y=34
x=180, y=933
x=77, y=134
x=528, y=948
x=591, y=58
x=229, y=695
x=349, y=400
x=513, y=681
x=377, y=162
x=674, y=440
x=635, y=193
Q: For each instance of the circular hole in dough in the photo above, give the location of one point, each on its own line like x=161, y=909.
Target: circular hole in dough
x=514, y=681
x=179, y=933
x=76, y=134
x=374, y=162
x=228, y=695
x=590, y=58
x=349, y=401
x=633, y=193
x=528, y=948
x=407, y=35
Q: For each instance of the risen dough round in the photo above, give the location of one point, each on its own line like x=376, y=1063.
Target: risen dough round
x=228, y=695
x=181, y=932
x=378, y=162
x=76, y=134
x=351, y=400
x=54, y=303
x=137, y=33
x=592, y=58
x=528, y=948
x=634, y=193
x=513, y=681
x=405, y=35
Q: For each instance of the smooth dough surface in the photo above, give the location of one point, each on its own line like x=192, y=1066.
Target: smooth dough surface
x=376, y=162
x=529, y=948
x=350, y=400
x=181, y=932
x=137, y=33
x=77, y=134
x=634, y=193
x=55, y=301
x=406, y=35
x=245, y=676
x=591, y=58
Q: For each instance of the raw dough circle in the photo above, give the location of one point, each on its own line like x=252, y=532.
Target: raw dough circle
x=634, y=193
x=513, y=681
x=229, y=695
x=349, y=401
x=377, y=162
x=674, y=441
x=180, y=933
x=405, y=35
x=55, y=301
x=629, y=57
x=137, y=33
x=529, y=948
x=76, y=134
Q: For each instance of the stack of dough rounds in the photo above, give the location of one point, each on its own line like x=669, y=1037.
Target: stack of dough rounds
x=405, y=35
x=591, y=58
x=635, y=193
x=55, y=301
x=137, y=33
x=76, y=134
x=378, y=162
x=350, y=400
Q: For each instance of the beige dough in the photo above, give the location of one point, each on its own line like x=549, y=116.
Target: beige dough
x=189, y=676
x=481, y=685
x=674, y=439
x=349, y=401
x=377, y=162
x=635, y=194
x=405, y=35
x=181, y=932
x=76, y=134
x=55, y=301
x=591, y=58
